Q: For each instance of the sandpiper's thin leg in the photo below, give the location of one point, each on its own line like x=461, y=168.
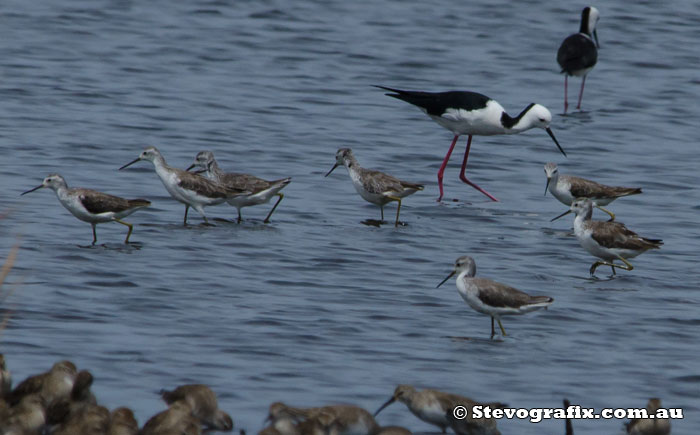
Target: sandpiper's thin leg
x=131, y=228
x=613, y=270
x=611, y=214
x=580, y=94
x=398, y=209
x=240, y=218
x=381, y=207
x=267, y=219
x=464, y=167
x=627, y=265
x=566, y=93
x=503, y=331
x=493, y=331
x=441, y=171
x=94, y=234
x=187, y=207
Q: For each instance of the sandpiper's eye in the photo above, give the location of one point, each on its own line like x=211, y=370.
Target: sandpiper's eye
x=542, y=120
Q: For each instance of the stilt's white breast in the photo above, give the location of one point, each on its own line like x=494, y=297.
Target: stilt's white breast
x=484, y=122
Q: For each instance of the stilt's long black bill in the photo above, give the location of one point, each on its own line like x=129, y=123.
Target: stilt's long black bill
x=32, y=190
x=387, y=403
x=547, y=186
x=445, y=280
x=130, y=163
x=561, y=215
x=549, y=132
x=332, y=169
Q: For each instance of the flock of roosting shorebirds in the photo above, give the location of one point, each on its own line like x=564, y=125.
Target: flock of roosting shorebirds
x=60, y=402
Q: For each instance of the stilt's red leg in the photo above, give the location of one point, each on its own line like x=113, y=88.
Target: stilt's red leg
x=444, y=164
x=566, y=93
x=580, y=94
x=464, y=167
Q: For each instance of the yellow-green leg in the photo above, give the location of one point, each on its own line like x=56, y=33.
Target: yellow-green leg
x=267, y=219
x=398, y=209
x=503, y=331
x=94, y=234
x=626, y=266
x=612, y=215
x=131, y=228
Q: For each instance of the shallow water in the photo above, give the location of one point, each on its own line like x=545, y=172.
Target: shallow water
x=317, y=307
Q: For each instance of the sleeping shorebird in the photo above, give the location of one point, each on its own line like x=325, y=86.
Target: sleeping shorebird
x=432, y=406
x=92, y=206
x=336, y=419
x=55, y=384
x=490, y=297
x=204, y=405
x=650, y=426
x=123, y=422
x=177, y=419
x=190, y=189
x=374, y=186
x=567, y=188
x=578, y=53
x=607, y=240
x=261, y=191
x=473, y=114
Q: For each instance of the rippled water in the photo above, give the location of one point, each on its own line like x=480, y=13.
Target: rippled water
x=316, y=307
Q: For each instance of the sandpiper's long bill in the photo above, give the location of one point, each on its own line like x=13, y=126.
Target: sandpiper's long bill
x=190, y=189
x=92, y=206
x=260, y=191
x=470, y=113
x=374, y=186
x=567, y=188
x=607, y=240
x=490, y=297
x=431, y=406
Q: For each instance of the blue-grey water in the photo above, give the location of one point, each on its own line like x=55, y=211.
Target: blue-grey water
x=316, y=307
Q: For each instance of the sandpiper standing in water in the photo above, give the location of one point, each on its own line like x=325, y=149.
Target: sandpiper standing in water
x=472, y=114
x=92, y=206
x=432, y=407
x=607, y=240
x=567, y=188
x=261, y=191
x=491, y=297
x=578, y=53
x=374, y=186
x=190, y=189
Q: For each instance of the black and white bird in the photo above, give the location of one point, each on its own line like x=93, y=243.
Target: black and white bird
x=470, y=113
x=578, y=53
x=92, y=206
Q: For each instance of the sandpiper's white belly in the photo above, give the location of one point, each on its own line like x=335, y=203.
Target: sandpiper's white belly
x=72, y=203
x=562, y=191
x=255, y=199
x=374, y=198
x=433, y=413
